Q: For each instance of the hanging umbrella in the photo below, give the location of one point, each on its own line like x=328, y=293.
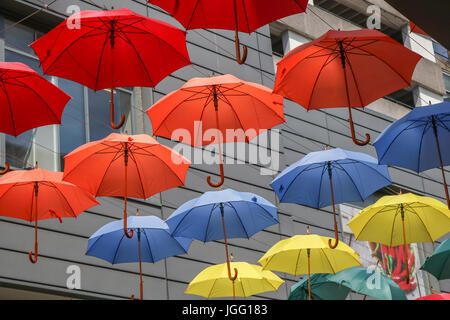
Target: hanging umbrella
x=338, y=286
x=222, y=103
x=109, y=49
x=27, y=100
x=244, y=15
x=402, y=219
x=436, y=296
x=438, y=264
x=122, y=165
x=110, y=244
x=306, y=254
x=39, y=194
x=355, y=176
x=223, y=214
x=321, y=289
x=213, y=282
x=419, y=141
x=345, y=69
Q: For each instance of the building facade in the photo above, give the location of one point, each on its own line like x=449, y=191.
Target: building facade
x=62, y=246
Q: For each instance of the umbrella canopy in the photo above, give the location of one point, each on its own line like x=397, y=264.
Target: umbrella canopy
x=125, y=165
x=306, y=254
x=27, y=100
x=345, y=69
x=438, y=264
x=109, y=242
x=223, y=214
x=337, y=286
x=352, y=176
x=213, y=282
x=221, y=103
x=39, y=194
x=436, y=296
x=401, y=219
x=244, y=15
x=321, y=289
x=419, y=141
x=112, y=48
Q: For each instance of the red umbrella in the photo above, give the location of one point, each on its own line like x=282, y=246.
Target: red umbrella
x=125, y=166
x=116, y=48
x=27, y=100
x=39, y=194
x=436, y=296
x=224, y=103
x=345, y=69
x=244, y=15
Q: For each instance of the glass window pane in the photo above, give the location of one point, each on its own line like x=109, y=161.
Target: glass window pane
x=19, y=37
x=72, y=132
x=99, y=126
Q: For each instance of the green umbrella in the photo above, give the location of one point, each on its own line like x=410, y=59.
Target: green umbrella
x=321, y=289
x=438, y=264
x=360, y=280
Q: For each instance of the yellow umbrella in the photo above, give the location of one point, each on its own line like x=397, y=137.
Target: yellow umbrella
x=213, y=282
x=401, y=219
x=303, y=254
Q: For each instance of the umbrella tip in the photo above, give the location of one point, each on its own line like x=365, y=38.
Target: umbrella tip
x=231, y=257
x=36, y=166
x=401, y=191
x=432, y=290
x=307, y=230
x=137, y=212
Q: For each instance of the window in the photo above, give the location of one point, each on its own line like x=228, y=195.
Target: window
x=447, y=86
x=440, y=51
x=85, y=117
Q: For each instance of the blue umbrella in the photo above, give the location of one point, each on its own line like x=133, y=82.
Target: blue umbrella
x=204, y=218
x=352, y=177
x=110, y=243
x=419, y=141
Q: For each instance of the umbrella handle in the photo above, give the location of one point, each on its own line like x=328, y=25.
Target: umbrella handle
x=128, y=235
x=232, y=278
x=222, y=178
x=6, y=168
x=111, y=114
x=239, y=59
x=332, y=246
x=352, y=130
x=30, y=253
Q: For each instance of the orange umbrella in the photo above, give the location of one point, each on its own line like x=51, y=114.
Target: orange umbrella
x=39, y=194
x=221, y=103
x=125, y=165
x=345, y=69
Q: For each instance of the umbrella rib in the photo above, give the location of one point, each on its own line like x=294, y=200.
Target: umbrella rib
x=149, y=247
x=420, y=146
x=132, y=156
x=43, y=100
x=365, y=164
x=351, y=179
x=117, y=249
x=100, y=60
x=138, y=56
x=317, y=79
x=418, y=216
x=207, y=224
x=106, y=170
x=378, y=58
x=3, y=87
x=176, y=106
x=242, y=223
x=332, y=269
x=370, y=219
x=192, y=15
x=354, y=79
x=392, y=141
x=245, y=14
x=67, y=48
x=65, y=199
x=393, y=225
x=296, y=263
x=296, y=176
x=320, y=186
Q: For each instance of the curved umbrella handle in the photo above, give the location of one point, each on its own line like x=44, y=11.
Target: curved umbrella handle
x=239, y=59
x=222, y=178
x=128, y=235
x=336, y=240
x=111, y=114
x=30, y=253
x=6, y=168
x=232, y=278
x=352, y=130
